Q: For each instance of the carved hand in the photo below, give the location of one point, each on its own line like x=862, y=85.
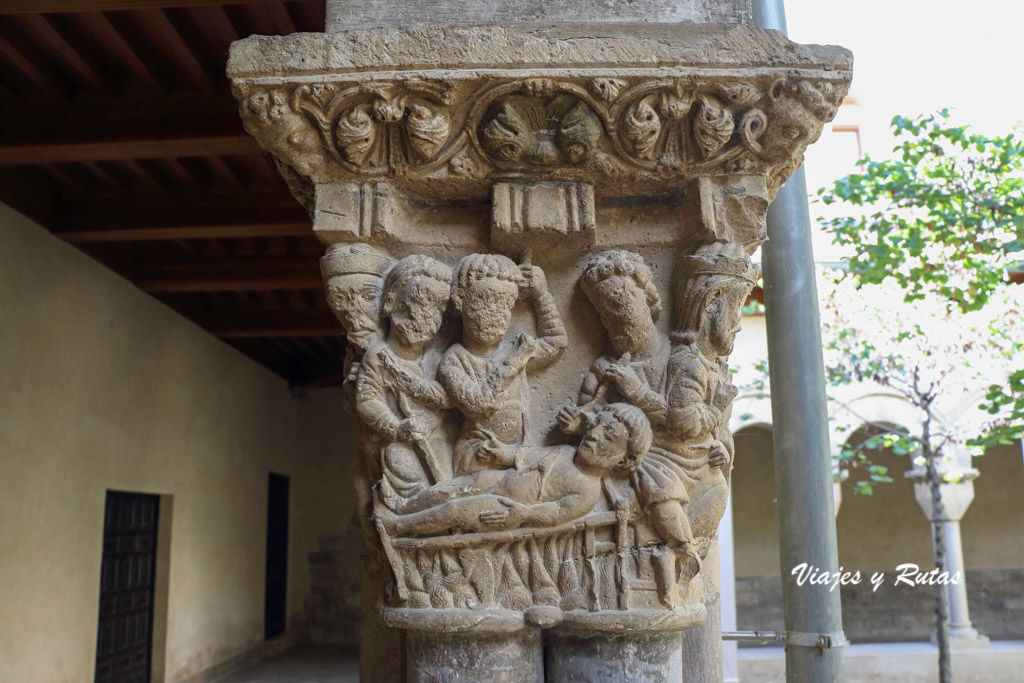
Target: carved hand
x=405, y=381
x=570, y=418
x=511, y=515
x=409, y=431
x=534, y=283
x=497, y=453
x=626, y=379
x=718, y=456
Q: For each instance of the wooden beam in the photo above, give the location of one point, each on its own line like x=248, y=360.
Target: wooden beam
x=177, y=216
x=128, y=129
x=229, y=274
x=41, y=6
x=246, y=324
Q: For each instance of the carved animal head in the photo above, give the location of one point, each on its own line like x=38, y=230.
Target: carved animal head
x=796, y=112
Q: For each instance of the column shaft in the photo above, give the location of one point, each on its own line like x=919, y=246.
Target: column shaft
x=457, y=657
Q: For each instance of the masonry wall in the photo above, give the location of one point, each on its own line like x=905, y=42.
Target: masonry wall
x=102, y=387
x=879, y=532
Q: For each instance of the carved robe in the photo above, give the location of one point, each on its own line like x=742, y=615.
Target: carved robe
x=496, y=406
x=383, y=403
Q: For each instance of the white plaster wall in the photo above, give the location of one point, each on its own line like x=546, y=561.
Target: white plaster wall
x=102, y=387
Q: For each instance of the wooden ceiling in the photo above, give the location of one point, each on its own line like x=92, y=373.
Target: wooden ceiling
x=118, y=132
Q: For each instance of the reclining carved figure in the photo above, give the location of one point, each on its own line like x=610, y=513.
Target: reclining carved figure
x=548, y=486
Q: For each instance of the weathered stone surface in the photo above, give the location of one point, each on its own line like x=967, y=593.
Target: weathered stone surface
x=344, y=15
x=896, y=613
x=643, y=658
x=506, y=658
x=631, y=110
x=509, y=210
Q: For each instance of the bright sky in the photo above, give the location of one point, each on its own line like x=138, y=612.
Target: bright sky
x=912, y=57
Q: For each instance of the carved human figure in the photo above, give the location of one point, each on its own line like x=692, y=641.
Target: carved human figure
x=548, y=487
x=353, y=276
x=397, y=395
x=716, y=281
x=486, y=374
x=620, y=286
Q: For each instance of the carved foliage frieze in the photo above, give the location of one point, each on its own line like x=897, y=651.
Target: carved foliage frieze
x=618, y=133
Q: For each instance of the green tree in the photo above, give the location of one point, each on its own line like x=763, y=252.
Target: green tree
x=944, y=216
x=941, y=222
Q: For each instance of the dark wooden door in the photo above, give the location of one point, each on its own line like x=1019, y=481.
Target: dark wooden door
x=276, y=613
x=125, y=640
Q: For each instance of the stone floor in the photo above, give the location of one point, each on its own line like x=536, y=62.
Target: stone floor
x=1001, y=662
x=302, y=664
x=867, y=663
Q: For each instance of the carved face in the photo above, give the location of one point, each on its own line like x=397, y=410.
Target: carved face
x=487, y=309
x=605, y=444
x=724, y=318
x=622, y=305
x=354, y=298
x=418, y=309
x=790, y=126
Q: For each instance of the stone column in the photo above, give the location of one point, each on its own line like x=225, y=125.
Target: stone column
x=956, y=498
x=507, y=209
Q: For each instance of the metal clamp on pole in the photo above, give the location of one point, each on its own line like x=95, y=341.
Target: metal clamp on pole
x=822, y=641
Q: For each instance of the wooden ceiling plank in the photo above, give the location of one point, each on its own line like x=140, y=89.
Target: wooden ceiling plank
x=279, y=15
x=214, y=23
x=66, y=179
x=223, y=172
x=144, y=177
x=231, y=274
x=237, y=324
x=41, y=81
x=118, y=150
x=180, y=215
x=163, y=31
x=38, y=6
x=99, y=26
x=57, y=46
x=102, y=175
x=188, y=232
x=132, y=128
x=179, y=171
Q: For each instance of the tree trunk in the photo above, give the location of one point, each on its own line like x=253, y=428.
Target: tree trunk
x=939, y=545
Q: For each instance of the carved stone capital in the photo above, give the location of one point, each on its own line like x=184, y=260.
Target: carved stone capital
x=441, y=112
x=508, y=209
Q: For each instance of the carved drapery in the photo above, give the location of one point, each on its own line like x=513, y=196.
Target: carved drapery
x=496, y=233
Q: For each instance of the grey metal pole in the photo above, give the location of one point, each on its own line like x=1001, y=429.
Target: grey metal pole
x=803, y=467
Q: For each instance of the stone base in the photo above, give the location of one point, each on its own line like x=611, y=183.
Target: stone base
x=504, y=658
x=589, y=656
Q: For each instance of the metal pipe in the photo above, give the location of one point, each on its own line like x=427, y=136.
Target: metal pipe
x=755, y=636
x=803, y=467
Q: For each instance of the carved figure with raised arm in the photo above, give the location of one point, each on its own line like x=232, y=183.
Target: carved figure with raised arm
x=486, y=374
x=548, y=487
x=398, y=396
